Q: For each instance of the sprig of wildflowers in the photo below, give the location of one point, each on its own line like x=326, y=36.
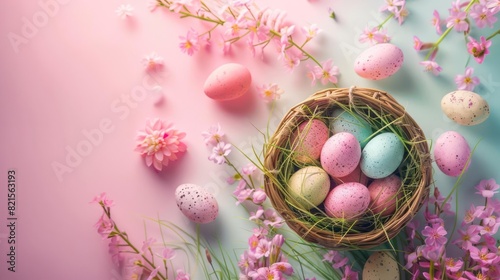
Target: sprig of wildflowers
x=239, y=20
x=375, y=35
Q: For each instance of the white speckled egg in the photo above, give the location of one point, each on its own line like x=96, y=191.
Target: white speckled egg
x=343, y=121
x=384, y=194
x=196, y=203
x=355, y=176
x=348, y=201
x=379, y=61
x=382, y=155
x=340, y=154
x=451, y=153
x=465, y=107
x=381, y=266
x=308, y=140
x=228, y=82
x=309, y=186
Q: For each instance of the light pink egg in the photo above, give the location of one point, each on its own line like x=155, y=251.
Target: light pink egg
x=228, y=82
x=340, y=154
x=384, y=194
x=348, y=201
x=451, y=153
x=379, y=61
x=308, y=140
x=196, y=203
x=355, y=176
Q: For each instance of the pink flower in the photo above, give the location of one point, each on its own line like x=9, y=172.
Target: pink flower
x=152, y=61
x=349, y=274
x=311, y=73
x=253, y=243
x=103, y=200
x=124, y=11
x=152, y=5
x=146, y=245
x=311, y=31
x=272, y=219
x=290, y=59
x=248, y=169
x=219, y=152
x=435, y=235
x=263, y=248
x=259, y=196
x=436, y=22
x=213, y=135
x=482, y=15
x=160, y=144
x=168, y=253
x=177, y=5
x=392, y=5
x=467, y=81
x=104, y=226
x=240, y=3
x=417, y=44
x=431, y=66
x=470, y=215
x=114, y=249
x=327, y=73
x=131, y=268
x=286, y=33
x=468, y=237
x=483, y=255
x=241, y=192
x=478, y=49
x=190, y=43
x=453, y=265
x=336, y=259
x=234, y=26
x=371, y=35
x=181, y=275
x=401, y=14
x=457, y=21
x=283, y=267
x=257, y=214
x=487, y=188
x=270, y=92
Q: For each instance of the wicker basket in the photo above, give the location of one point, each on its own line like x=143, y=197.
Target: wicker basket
x=358, y=99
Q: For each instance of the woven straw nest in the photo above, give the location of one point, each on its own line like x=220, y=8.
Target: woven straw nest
x=384, y=113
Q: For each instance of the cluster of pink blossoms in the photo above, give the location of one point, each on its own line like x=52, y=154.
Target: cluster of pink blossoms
x=375, y=35
x=480, y=257
x=483, y=13
x=134, y=262
x=242, y=20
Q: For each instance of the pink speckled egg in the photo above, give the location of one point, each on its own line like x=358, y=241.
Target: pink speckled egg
x=348, y=201
x=308, y=140
x=379, y=61
x=228, y=82
x=384, y=194
x=451, y=153
x=196, y=203
x=340, y=154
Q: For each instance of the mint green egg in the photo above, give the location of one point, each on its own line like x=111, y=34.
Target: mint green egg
x=344, y=121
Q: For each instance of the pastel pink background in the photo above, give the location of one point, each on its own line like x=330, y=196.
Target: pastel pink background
x=77, y=69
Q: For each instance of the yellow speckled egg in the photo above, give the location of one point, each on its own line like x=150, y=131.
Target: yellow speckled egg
x=465, y=107
x=309, y=186
x=381, y=266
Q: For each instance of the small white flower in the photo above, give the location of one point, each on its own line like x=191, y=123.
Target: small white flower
x=124, y=11
x=152, y=61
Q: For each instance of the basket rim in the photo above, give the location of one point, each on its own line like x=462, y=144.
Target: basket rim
x=352, y=97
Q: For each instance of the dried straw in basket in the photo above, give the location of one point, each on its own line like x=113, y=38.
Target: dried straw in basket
x=384, y=113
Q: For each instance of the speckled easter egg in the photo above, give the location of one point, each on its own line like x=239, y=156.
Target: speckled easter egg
x=196, y=203
x=308, y=140
x=355, y=176
x=384, y=194
x=451, y=153
x=379, y=61
x=340, y=154
x=382, y=155
x=465, y=107
x=228, y=82
x=381, y=266
x=348, y=201
x=309, y=186
x=343, y=121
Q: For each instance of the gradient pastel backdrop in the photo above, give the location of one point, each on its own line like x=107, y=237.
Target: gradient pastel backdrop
x=85, y=61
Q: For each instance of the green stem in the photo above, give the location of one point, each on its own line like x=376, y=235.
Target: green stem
x=298, y=47
x=493, y=35
x=125, y=238
x=431, y=270
x=385, y=21
x=185, y=14
x=236, y=170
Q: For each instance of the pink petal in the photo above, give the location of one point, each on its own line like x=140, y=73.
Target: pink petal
x=159, y=156
x=149, y=160
x=157, y=165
